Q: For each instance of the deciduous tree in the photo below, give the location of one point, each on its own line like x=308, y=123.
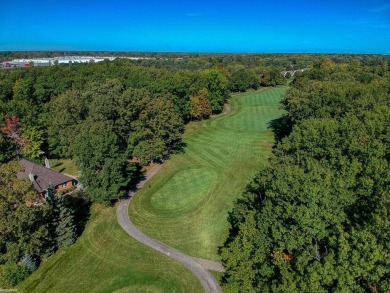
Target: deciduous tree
x=23, y=227
x=199, y=105
x=105, y=172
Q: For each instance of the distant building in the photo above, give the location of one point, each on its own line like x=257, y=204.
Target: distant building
x=65, y=60
x=42, y=176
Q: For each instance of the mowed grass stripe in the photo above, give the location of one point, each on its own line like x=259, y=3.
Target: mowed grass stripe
x=106, y=259
x=233, y=146
x=199, y=178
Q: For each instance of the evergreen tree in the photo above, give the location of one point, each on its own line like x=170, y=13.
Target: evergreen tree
x=52, y=216
x=52, y=199
x=66, y=228
x=60, y=221
x=29, y=263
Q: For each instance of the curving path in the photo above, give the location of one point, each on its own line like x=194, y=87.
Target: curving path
x=197, y=266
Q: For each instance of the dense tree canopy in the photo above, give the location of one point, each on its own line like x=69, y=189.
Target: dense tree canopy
x=243, y=79
x=22, y=225
x=317, y=219
x=6, y=150
x=105, y=171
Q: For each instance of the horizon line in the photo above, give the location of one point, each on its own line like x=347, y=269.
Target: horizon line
x=202, y=52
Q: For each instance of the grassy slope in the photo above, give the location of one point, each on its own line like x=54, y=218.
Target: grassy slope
x=106, y=259
x=187, y=203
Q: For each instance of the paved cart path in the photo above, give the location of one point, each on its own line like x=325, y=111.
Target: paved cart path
x=197, y=266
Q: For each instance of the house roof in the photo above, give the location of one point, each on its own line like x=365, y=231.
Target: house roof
x=42, y=175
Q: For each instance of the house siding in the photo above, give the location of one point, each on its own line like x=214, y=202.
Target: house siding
x=64, y=186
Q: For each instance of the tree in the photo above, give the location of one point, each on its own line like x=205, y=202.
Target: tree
x=23, y=104
x=105, y=171
x=11, y=274
x=23, y=89
x=199, y=105
x=29, y=263
x=156, y=131
x=27, y=141
x=52, y=219
x=67, y=112
x=243, y=79
x=13, y=131
x=271, y=77
x=105, y=100
x=216, y=82
x=151, y=125
x=6, y=150
x=66, y=228
x=33, y=138
x=316, y=220
x=325, y=63
x=23, y=227
x=60, y=219
x=52, y=200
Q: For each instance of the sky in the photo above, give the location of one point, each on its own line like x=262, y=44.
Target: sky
x=277, y=26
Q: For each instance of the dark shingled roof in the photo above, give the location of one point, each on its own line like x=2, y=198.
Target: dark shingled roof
x=42, y=175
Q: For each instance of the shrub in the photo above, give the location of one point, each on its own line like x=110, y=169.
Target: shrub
x=11, y=274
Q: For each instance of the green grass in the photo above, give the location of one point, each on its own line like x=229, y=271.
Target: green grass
x=217, y=275
x=65, y=166
x=187, y=203
x=106, y=259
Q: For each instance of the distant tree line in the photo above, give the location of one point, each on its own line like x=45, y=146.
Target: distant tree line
x=317, y=218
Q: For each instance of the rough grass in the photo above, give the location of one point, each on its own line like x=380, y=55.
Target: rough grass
x=187, y=203
x=106, y=259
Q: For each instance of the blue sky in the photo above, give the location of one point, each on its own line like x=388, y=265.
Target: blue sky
x=350, y=26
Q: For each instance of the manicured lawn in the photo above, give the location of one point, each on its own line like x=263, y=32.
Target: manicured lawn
x=185, y=206
x=65, y=166
x=187, y=203
x=106, y=259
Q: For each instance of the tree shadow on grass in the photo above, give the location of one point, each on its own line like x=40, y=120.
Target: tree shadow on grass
x=81, y=206
x=136, y=177
x=281, y=127
x=179, y=148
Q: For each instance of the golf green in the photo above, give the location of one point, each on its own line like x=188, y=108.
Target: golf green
x=187, y=203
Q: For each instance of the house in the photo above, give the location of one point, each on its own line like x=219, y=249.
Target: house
x=42, y=176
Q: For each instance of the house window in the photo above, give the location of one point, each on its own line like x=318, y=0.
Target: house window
x=64, y=185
